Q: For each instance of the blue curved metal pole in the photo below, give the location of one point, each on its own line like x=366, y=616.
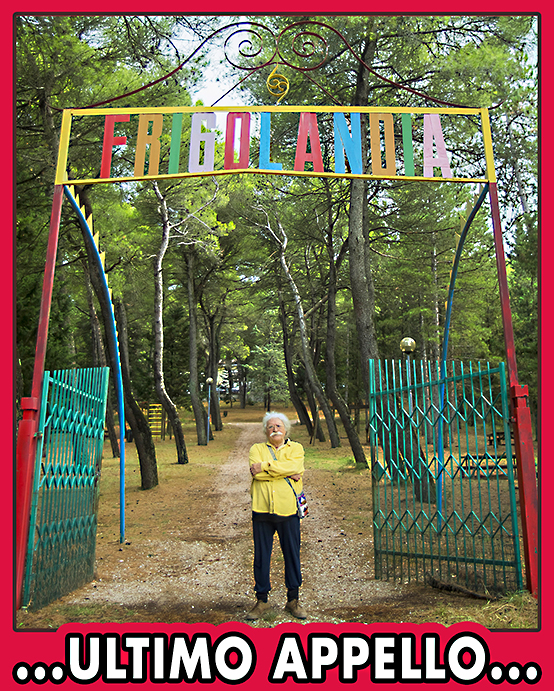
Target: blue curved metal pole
x=444, y=349
x=117, y=373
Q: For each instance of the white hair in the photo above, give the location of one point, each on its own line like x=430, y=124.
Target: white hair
x=284, y=419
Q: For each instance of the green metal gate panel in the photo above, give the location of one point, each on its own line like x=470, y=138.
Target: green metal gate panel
x=62, y=534
x=444, y=503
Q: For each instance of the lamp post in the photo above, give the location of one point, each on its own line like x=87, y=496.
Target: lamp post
x=209, y=382
x=407, y=346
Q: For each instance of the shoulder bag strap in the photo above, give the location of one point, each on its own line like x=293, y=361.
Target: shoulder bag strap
x=286, y=478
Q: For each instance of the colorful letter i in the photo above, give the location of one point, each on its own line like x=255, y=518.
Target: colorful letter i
x=408, y=145
x=175, y=148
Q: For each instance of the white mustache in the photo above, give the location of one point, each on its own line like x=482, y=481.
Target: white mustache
x=274, y=433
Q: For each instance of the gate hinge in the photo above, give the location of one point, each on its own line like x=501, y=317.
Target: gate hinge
x=519, y=390
x=30, y=403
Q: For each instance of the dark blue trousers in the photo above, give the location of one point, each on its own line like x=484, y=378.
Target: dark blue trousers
x=264, y=527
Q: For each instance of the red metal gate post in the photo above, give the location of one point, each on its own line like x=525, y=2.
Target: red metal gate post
x=521, y=416
x=27, y=431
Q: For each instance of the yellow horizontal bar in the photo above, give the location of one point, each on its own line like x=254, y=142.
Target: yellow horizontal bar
x=259, y=171
x=271, y=109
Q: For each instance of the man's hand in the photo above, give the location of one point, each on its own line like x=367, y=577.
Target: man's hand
x=255, y=468
x=295, y=477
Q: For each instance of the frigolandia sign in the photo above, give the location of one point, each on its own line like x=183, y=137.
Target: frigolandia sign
x=126, y=144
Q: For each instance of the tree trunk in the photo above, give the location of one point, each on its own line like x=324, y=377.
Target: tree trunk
x=308, y=361
x=200, y=416
x=297, y=402
x=361, y=280
x=230, y=381
x=242, y=385
x=332, y=391
x=316, y=430
x=213, y=330
x=142, y=434
x=99, y=360
x=311, y=375
x=436, y=347
x=159, y=380
x=218, y=423
x=141, y=431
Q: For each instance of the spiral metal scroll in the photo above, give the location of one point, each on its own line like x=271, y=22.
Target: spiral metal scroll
x=250, y=45
x=259, y=45
x=306, y=45
x=278, y=84
x=305, y=41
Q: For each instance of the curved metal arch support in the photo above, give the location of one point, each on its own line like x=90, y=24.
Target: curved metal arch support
x=454, y=274
x=117, y=374
x=444, y=349
x=519, y=409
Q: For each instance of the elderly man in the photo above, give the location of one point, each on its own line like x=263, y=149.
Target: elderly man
x=274, y=510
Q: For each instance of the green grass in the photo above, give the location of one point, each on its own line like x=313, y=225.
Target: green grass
x=212, y=455
x=513, y=612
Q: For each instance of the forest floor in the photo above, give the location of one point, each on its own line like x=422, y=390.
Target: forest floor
x=187, y=553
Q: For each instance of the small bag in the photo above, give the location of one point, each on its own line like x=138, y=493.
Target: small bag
x=301, y=502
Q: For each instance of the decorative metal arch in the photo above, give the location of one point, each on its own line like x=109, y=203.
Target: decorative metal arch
x=305, y=42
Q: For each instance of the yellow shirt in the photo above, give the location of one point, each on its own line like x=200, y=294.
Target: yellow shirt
x=269, y=490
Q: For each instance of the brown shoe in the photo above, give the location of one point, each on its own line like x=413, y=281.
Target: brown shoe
x=296, y=609
x=258, y=610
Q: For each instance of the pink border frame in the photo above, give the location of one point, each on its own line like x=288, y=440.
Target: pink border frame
x=49, y=647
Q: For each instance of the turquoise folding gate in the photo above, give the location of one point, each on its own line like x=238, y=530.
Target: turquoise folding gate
x=444, y=503
x=62, y=534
